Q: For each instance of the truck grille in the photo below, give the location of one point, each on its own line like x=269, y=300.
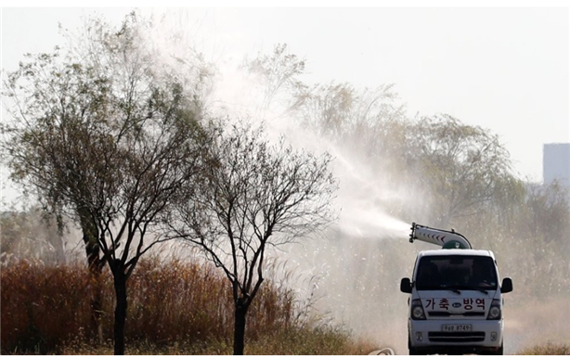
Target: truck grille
x=456, y=337
x=447, y=314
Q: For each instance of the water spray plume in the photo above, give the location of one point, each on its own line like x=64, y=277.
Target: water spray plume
x=370, y=223
x=362, y=198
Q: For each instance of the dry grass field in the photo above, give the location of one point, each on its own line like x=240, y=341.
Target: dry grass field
x=185, y=308
x=174, y=308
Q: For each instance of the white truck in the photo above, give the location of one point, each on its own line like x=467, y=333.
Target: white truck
x=456, y=304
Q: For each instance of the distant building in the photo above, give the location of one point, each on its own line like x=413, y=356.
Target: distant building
x=556, y=163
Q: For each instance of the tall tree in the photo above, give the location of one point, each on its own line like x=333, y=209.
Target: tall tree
x=343, y=113
x=255, y=196
x=463, y=167
x=279, y=73
x=547, y=213
x=44, y=141
x=107, y=137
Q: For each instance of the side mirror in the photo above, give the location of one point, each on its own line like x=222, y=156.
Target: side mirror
x=406, y=285
x=507, y=285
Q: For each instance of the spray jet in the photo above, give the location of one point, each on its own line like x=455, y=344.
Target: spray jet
x=446, y=239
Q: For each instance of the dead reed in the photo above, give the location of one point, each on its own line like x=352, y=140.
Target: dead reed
x=547, y=349
x=175, y=307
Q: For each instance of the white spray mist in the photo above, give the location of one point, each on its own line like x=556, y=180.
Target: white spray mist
x=350, y=273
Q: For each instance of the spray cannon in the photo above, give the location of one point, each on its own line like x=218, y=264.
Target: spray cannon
x=446, y=239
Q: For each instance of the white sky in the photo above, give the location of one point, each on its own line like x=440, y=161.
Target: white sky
x=502, y=68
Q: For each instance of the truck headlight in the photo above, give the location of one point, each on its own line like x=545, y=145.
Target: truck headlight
x=417, y=310
x=495, y=310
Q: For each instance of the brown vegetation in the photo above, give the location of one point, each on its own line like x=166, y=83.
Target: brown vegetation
x=547, y=349
x=177, y=308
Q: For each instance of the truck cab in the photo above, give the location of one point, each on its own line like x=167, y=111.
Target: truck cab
x=455, y=303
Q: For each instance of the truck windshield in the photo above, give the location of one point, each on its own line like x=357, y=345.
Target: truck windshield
x=456, y=272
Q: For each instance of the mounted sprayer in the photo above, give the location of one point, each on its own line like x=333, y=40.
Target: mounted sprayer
x=446, y=239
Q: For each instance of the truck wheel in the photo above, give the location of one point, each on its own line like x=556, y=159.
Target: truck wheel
x=500, y=350
x=411, y=350
x=414, y=351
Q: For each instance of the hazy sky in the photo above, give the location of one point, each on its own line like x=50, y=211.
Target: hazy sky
x=502, y=68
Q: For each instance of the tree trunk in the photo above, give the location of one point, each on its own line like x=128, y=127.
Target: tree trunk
x=96, y=279
x=95, y=270
x=239, y=327
x=120, y=281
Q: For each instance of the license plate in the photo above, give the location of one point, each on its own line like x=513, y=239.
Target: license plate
x=456, y=328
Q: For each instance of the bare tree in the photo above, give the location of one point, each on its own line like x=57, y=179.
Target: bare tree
x=254, y=196
x=155, y=167
x=107, y=137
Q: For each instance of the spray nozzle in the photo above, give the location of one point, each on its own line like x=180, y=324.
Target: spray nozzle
x=412, y=234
